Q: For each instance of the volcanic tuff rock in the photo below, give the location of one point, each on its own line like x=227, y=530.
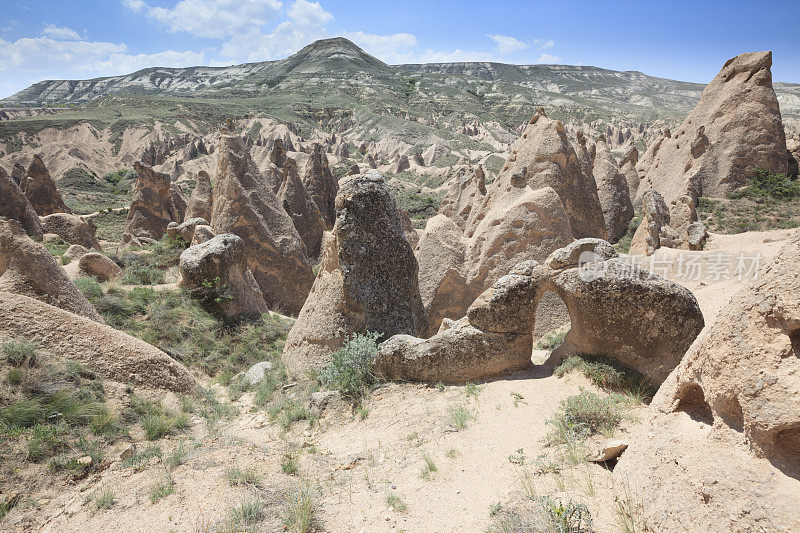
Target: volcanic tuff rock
x=367, y=280
x=544, y=157
x=111, y=353
x=153, y=205
x=722, y=444
x=199, y=204
x=216, y=271
x=15, y=205
x=41, y=190
x=73, y=229
x=93, y=264
x=612, y=190
x=321, y=185
x=245, y=205
x=616, y=309
x=26, y=267
x=302, y=209
x=627, y=166
x=736, y=126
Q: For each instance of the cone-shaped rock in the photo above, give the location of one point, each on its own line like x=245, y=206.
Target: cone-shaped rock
x=15, y=205
x=299, y=205
x=41, y=190
x=199, y=204
x=321, y=185
x=152, y=206
x=612, y=189
x=244, y=204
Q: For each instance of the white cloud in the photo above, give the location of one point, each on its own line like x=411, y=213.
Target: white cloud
x=309, y=13
x=547, y=58
x=61, y=33
x=135, y=5
x=213, y=19
x=125, y=63
x=395, y=48
x=507, y=44
x=542, y=44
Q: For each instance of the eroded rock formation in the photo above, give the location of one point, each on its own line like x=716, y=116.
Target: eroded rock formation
x=154, y=204
x=41, y=190
x=15, y=205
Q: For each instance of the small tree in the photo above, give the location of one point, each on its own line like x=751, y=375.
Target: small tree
x=350, y=369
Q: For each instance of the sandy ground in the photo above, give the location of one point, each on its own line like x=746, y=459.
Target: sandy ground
x=353, y=463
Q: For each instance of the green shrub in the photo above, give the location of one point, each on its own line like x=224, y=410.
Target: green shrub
x=89, y=287
x=142, y=274
x=350, y=369
x=608, y=375
x=569, y=517
x=238, y=476
x=765, y=183
x=18, y=353
x=583, y=415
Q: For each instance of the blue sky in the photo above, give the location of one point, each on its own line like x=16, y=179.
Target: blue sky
x=686, y=40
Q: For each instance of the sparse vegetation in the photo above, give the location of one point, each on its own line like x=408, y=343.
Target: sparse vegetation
x=552, y=341
x=608, y=375
x=299, y=516
x=156, y=420
x=396, y=503
x=349, y=371
x=163, y=487
x=623, y=245
x=106, y=499
x=428, y=467
x=238, y=476
x=458, y=415
x=583, y=415
x=246, y=514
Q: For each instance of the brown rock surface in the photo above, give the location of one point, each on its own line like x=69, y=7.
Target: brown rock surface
x=245, y=205
x=199, y=204
x=41, y=190
x=27, y=268
x=736, y=126
x=301, y=208
x=612, y=190
x=321, y=185
x=15, y=205
x=627, y=165
x=111, y=353
x=73, y=229
x=93, y=264
x=222, y=263
x=152, y=207
x=367, y=280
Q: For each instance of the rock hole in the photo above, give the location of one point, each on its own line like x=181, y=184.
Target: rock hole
x=794, y=338
x=730, y=410
x=693, y=403
x=552, y=322
x=786, y=452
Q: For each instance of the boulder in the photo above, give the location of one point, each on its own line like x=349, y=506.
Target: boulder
x=15, y=205
x=735, y=127
x=27, y=268
x=458, y=353
x=255, y=374
x=216, y=271
x=612, y=190
x=111, y=353
x=152, y=206
x=654, y=227
x=245, y=205
x=367, y=279
x=202, y=234
x=199, y=204
x=321, y=185
x=185, y=230
x=41, y=190
x=96, y=265
x=75, y=251
x=301, y=208
x=72, y=229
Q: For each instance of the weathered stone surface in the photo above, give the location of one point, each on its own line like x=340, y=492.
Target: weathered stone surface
x=458, y=353
x=627, y=166
x=185, y=230
x=367, y=279
x=152, y=206
x=612, y=190
x=75, y=251
x=648, y=236
x=96, y=265
x=321, y=185
x=245, y=205
x=467, y=193
x=255, y=374
x=736, y=126
x=301, y=208
x=581, y=251
x=15, y=205
x=72, y=228
x=41, y=190
x=216, y=271
x=620, y=311
x=199, y=204
x=745, y=371
x=27, y=268
x=202, y=234
x=111, y=353
x=544, y=157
